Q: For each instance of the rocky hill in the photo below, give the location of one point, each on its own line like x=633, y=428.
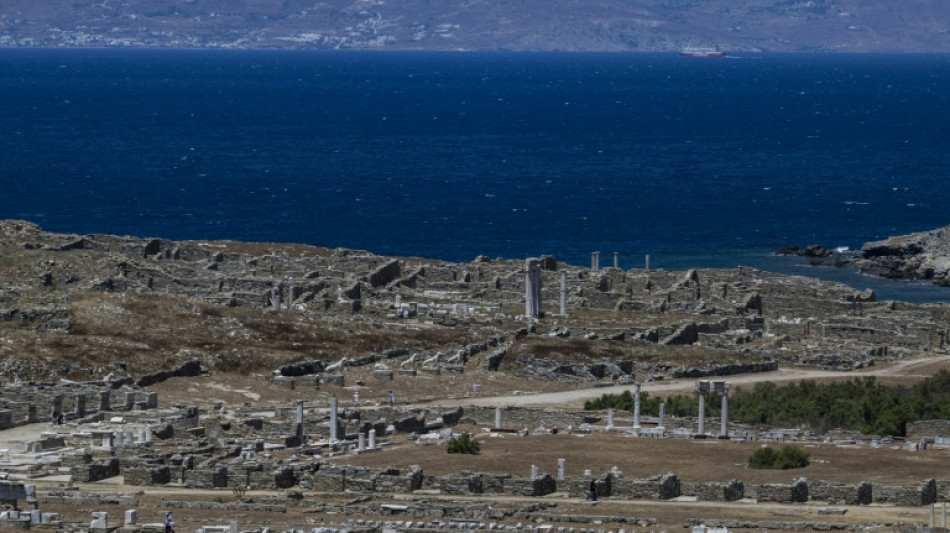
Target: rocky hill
x=95, y=306
x=526, y=25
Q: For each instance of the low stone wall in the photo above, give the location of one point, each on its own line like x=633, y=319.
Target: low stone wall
x=841, y=493
x=730, y=491
x=779, y=493
x=339, y=478
x=923, y=494
x=332, y=478
x=480, y=483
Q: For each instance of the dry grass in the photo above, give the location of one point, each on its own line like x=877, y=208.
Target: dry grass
x=691, y=460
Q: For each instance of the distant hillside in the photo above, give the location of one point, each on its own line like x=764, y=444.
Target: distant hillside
x=518, y=25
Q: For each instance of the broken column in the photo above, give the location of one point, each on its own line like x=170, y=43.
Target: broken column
x=372, y=439
x=31, y=414
x=276, y=296
x=563, y=293
x=560, y=469
x=532, y=291
x=534, y=472
x=333, y=420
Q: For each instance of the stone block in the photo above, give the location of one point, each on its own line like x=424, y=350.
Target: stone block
x=100, y=520
x=386, y=375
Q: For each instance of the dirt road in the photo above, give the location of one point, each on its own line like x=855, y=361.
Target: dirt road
x=918, y=368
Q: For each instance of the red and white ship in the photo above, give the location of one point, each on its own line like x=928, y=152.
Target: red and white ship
x=691, y=51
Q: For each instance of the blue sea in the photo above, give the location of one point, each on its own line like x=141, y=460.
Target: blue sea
x=696, y=162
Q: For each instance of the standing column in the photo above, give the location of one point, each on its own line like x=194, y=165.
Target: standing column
x=702, y=387
x=636, y=407
x=593, y=261
x=724, y=421
x=372, y=439
x=534, y=472
x=299, y=429
x=617, y=260
x=563, y=293
x=662, y=416
x=532, y=290
x=333, y=421
x=702, y=413
x=81, y=406
x=560, y=477
x=646, y=263
x=610, y=418
x=498, y=418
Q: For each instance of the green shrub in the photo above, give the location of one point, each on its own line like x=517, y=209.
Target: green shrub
x=463, y=443
x=786, y=458
x=763, y=458
x=791, y=457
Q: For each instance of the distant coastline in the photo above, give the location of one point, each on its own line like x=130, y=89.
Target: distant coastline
x=872, y=26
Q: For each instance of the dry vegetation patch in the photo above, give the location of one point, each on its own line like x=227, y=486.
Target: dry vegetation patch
x=689, y=459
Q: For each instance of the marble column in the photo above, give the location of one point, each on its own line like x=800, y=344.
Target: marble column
x=532, y=291
x=333, y=420
x=563, y=293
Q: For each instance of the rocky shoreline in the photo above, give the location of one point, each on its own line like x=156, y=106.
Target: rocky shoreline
x=922, y=256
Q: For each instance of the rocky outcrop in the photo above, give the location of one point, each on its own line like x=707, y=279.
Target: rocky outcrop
x=918, y=256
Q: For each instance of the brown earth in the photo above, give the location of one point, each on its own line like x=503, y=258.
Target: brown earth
x=692, y=460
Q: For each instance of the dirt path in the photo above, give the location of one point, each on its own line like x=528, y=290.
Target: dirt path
x=574, y=399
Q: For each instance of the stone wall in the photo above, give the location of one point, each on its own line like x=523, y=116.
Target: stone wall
x=841, y=493
x=928, y=428
x=730, y=491
x=923, y=494
x=796, y=492
x=269, y=475
x=338, y=478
